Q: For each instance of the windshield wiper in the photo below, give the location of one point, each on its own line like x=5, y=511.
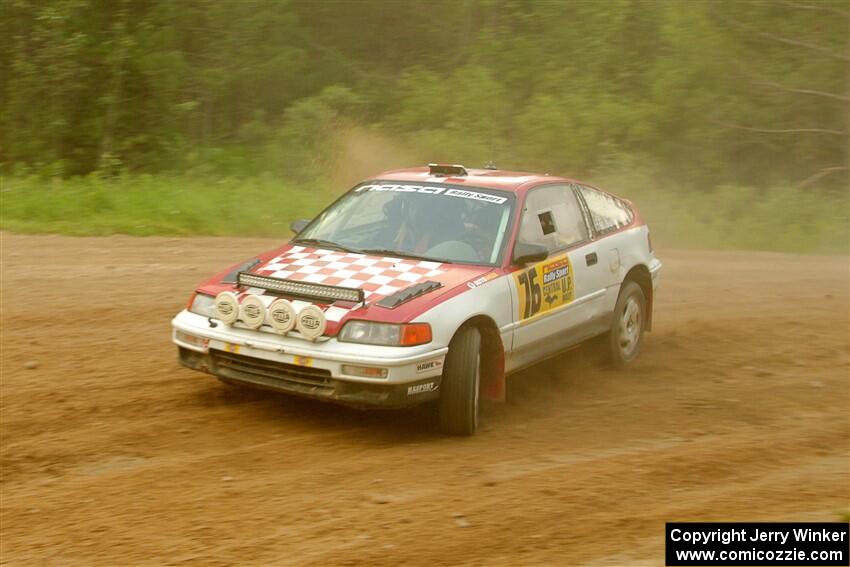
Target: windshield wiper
x=326, y=244
x=391, y=253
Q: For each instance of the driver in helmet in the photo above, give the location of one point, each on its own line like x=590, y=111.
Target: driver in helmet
x=428, y=220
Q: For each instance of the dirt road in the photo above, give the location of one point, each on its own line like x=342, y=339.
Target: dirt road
x=114, y=455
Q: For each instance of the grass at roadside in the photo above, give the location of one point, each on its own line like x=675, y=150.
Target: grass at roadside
x=741, y=218
x=146, y=205
x=780, y=219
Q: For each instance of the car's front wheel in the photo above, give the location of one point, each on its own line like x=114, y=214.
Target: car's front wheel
x=460, y=384
x=627, y=326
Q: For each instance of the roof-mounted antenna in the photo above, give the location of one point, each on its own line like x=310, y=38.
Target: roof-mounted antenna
x=490, y=165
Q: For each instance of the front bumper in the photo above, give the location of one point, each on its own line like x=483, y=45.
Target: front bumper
x=318, y=370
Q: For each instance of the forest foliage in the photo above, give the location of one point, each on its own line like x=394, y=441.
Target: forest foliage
x=687, y=95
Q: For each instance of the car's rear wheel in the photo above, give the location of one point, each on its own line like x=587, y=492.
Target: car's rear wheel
x=627, y=326
x=458, y=407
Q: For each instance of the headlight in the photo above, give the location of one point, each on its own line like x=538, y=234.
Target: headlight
x=227, y=307
x=282, y=316
x=252, y=311
x=387, y=334
x=311, y=322
x=202, y=305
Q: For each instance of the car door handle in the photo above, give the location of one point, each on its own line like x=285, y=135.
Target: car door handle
x=591, y=259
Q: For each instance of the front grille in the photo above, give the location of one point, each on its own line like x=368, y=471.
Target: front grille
x=271, y=373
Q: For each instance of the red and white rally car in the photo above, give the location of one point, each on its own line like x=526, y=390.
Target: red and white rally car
x=429, y=283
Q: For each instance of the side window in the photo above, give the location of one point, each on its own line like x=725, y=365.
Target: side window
x=552, y=217
x=607, y=212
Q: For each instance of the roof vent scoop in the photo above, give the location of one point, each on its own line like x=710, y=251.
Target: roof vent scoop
x=446, y=170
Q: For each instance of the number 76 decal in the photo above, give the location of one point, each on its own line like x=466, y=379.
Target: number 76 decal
x=545, y=286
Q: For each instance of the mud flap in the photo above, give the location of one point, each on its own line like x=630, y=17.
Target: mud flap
x=493, y=386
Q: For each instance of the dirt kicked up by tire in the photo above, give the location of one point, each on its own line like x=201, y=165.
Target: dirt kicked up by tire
x=112, y=454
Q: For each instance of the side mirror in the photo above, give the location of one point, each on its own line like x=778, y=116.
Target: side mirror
x=299, y=225
x=528, y=253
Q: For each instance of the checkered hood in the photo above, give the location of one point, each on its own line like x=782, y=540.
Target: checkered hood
x=377, y=276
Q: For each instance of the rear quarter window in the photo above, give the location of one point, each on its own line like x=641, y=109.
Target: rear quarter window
x=607, y=213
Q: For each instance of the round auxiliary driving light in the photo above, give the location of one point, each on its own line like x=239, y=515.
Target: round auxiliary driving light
x=282, y=316
x=227, y=307
x=252, y=311
x=311, y=322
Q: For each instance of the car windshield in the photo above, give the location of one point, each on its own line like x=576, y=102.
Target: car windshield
x=440, y=222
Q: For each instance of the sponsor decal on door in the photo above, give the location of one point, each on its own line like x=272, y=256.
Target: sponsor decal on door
x=545, y=286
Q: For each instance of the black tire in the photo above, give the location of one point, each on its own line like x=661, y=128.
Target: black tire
x=458, y=408
x=627, y=329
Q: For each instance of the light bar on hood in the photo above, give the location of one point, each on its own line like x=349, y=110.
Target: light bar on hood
x=302, y=289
